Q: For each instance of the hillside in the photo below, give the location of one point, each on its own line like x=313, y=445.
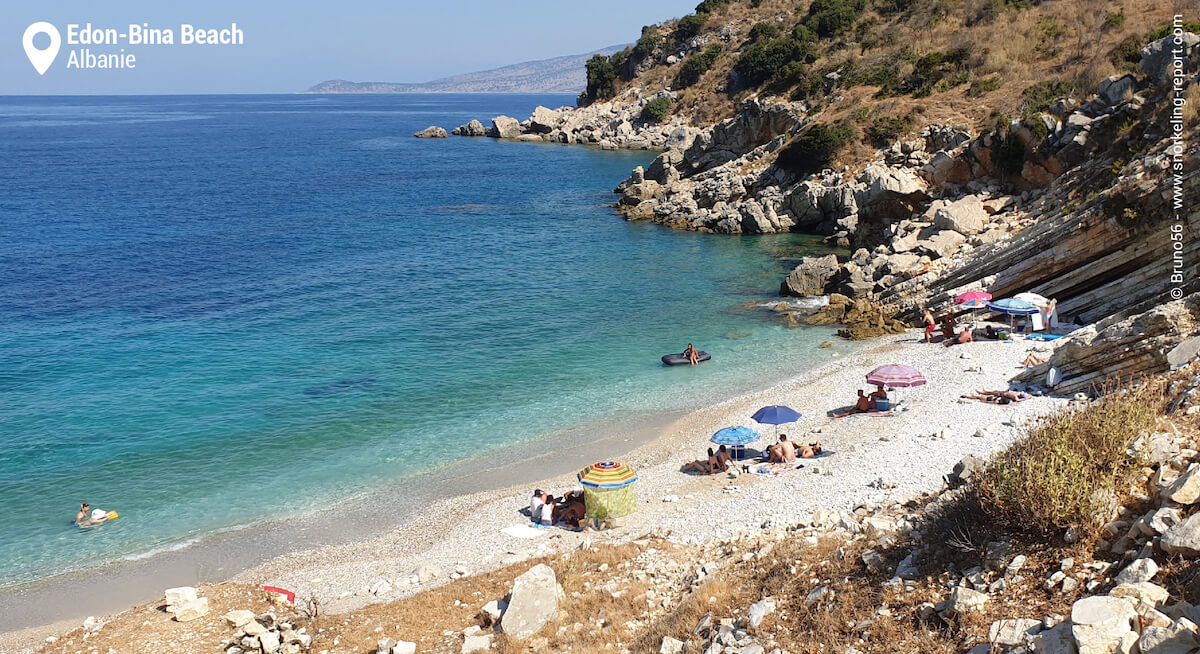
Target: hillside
x=555, y=75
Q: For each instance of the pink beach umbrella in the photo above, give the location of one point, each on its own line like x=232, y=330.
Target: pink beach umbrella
x=896, y=376
x=973, y=300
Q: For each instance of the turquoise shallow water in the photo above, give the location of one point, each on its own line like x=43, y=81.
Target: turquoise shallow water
x=219, y=310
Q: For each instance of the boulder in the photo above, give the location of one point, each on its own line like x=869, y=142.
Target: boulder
x=543, y=120
x=504, y=127
x=1056, y=640
x=966, y=215
x=481, y=643
x=963, y=600
x=1185, y=489
x=811, y=277
x=473, y=128
x=1010, y=633
x=942, y=244
x=237, y=619
x=1156, y=57
x=1183, y=538
x=1117, y=89
x=965, y=470
x=1179, y=638
x=671, y=646
x=1140, y=570
x=432, y=132
x=180, y=595
x=533, y=604
x=1150, y=593
x=1099, y=623
x=189, y=610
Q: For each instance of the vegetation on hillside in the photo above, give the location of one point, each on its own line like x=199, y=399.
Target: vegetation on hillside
x=961, y=61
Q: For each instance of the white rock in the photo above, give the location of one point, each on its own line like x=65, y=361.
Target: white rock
x=1146, y=591
x=1185, y=489
x=238, y=618
x=964, y=599
x=1183, y=538
x=1099, y=623
x=760, y=610
x=533, y=604
x=180, y=595
x=476, y=644
x=1139, y=570
x=1011, y=633
x=427, y=572
x=190, y=610
x=671, y=646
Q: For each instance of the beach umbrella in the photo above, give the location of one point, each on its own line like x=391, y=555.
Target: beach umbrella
x=607, y=475
x=736, y=438
x=896, y=376
x=776, y=414
x=973, y=300
x=1013, y=307
x=972, y=296
x=608, y=490
x=1032, y=298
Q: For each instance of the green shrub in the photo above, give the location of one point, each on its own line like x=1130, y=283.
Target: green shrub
x=1073, y=466
x=886, y=129
x=1157, y=34
x=814, y=149
x=689, y=26
x=1128, y=52
x=932, y=69
x=980, y=86
x=1114, y=21
x=1008, y=152
x=761, y=61
x=830, y=18
x=647, y=43
x=696, y=65
x=763, y=32
x=1039, y=97
x=657, y=109
x=709, y=6
x=601, y=73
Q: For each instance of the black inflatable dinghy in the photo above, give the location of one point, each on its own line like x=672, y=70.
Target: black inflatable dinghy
x=680, y=360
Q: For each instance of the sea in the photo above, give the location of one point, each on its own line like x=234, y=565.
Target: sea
x=219, y=311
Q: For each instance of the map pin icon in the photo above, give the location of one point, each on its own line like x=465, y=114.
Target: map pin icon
x=41, y=59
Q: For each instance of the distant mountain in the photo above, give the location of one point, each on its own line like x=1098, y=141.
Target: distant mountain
x=557, y=75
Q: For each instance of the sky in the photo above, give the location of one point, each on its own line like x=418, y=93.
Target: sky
x=290, y=46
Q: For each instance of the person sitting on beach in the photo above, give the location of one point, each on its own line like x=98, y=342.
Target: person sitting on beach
x=723, y=461
x=863, y=404
x=879, y=400
x=964, y=337
x=537, y=506
x=572, y=509
x=1034, y=360
x=691, y=354
x=704, y=467
x=948, y=326
x=782, y=452
x=930, y=325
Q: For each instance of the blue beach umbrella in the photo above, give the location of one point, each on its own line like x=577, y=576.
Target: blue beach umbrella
x=1014, y=308
x=776, y=415
x=736, y=438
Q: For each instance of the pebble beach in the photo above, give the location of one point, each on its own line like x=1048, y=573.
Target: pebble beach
x=876, y=460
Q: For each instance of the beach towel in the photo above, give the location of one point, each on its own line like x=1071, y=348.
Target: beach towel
x=523, y=531
x=798, y=460
x=1043, y=337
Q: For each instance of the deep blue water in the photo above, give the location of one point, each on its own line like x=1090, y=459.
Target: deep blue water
x=215, y=310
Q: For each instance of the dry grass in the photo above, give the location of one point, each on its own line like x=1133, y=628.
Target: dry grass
x=1074, y=466
x=1018, y=48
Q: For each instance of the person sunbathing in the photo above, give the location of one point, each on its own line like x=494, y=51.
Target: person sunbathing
x=1034, y=360
x=879, y=400
x=864, y=403
x=810, y=451
x=704, y=467
x=998, y=397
